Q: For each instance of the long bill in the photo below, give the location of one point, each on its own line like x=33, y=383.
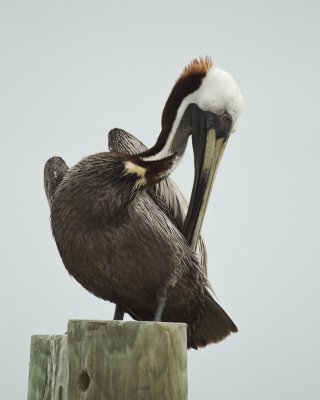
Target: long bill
x=208, y=151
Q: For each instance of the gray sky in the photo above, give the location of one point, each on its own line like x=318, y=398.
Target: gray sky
x=71, y=71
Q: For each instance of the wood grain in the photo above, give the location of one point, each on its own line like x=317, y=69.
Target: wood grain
x=118, y=360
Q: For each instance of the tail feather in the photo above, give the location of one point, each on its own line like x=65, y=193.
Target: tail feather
x=214, y=326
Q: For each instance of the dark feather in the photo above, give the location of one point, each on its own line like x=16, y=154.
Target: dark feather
x=124, y=244
x=165, y=194
x=54, y=171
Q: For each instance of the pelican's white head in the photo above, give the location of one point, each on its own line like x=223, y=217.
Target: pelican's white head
x=206, y=87
x=211, y=89
x=219, y=93
x=205, y=103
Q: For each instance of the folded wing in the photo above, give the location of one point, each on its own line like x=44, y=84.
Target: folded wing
x=165, y=194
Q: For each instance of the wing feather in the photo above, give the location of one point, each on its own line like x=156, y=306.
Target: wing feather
x=165, y=194
x=54, y=171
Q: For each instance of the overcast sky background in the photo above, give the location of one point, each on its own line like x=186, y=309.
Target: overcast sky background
x=71, y=71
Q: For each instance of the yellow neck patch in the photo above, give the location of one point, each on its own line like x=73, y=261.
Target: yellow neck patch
x=134, y=169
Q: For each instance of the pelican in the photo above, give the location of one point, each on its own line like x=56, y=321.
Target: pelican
x=123, y=229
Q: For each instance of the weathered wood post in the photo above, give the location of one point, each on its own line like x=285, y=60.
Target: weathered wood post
x=112, y=360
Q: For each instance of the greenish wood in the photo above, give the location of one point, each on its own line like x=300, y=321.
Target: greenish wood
x=47, y=381
x=118, y=360
x=38, y=367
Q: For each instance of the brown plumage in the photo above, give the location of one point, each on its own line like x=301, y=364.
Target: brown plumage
x=199, y=65
x=120, y=237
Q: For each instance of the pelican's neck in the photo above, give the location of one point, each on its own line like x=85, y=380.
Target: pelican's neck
x=161, y=159
x=172, y=141
x=162, y=149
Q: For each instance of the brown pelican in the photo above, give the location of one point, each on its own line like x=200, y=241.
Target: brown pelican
x=123, y=229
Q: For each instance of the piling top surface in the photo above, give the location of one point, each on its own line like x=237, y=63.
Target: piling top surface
x=117, y=323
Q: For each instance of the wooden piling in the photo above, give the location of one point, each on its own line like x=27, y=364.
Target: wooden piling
x=112, y=360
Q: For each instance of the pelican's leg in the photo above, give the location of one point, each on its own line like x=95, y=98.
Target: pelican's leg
x=118, y=313
x=162, y=299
